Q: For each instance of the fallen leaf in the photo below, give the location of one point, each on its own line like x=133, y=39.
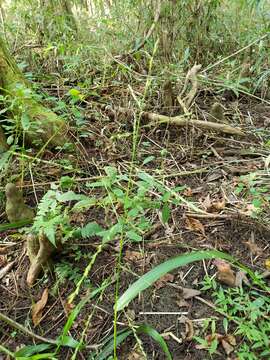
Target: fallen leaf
x=163, y=281
x=188, y=192
x=228, y=348
x=267, y=264
x=207, y=202
x=182, y=303
x=133, y=255
x=225, y=274
x=189, y=329
x=194, y=225
x=240, y=278
x=136, y=353
x=188, y=293
x=213, y=206
x=3, y=260
x=6, y=269
x=228, y=342
x=253, y=248
x=3, y=249
x=37, y=308
x=219, y=205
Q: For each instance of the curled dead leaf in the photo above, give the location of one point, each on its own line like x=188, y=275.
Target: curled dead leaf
x=188, y=192
x=194, y=225
x=188, y=293
x=267, y=264
x=163, y=281
x=133, y=255
x=3, y=260
x=225, y=274
x=37, y=309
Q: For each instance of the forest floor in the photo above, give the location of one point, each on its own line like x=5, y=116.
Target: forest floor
x=210, y=166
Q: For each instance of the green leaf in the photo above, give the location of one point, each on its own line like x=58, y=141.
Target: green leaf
x=148, y=330
x=257, y=203
x=132, y=235
x=148, y=159
x=69, y=341
x=91, y=229
x=165, y=214
x=110, y=171
x=14, y=225
x=32, y=349
x=153, y=275
x=70, y=196
x=122, y=335
x=108, y=349
x=25, y=121
x=74, y=93
x=84, y=204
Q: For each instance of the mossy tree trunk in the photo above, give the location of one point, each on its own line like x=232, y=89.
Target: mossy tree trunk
x=40, y=125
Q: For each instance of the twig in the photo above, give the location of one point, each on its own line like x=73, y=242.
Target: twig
x=23, y=329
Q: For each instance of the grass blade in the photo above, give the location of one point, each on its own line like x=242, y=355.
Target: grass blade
x=153, y=275
x=148, y=330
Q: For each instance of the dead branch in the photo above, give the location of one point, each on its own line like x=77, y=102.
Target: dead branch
x=184, y=121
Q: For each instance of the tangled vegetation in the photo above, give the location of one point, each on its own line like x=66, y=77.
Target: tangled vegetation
x=134, y=157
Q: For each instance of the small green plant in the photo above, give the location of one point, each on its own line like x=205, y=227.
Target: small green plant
x=247, y=312
x=255, y=190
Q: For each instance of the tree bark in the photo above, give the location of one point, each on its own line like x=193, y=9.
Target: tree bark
x=43, y=125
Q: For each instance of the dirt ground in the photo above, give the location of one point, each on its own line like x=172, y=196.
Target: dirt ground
x=222, y=160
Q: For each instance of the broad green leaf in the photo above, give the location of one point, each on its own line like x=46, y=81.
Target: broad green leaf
x=148, y=159
x=84, y=204
x=165, y=213
x=32, y=349
x=132, y=235
x=25, y=121
x=70, y=196
x=156, y=273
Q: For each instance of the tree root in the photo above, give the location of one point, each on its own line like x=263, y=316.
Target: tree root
x=39, y=250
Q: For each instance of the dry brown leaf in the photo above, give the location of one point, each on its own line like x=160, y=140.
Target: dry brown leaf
x=240, y=278
x=136, y=354
x=133, y=255
x=207, y=202
x=267, y=264
x=228, y=342
x=194, y=225
x=6, y=269
x=253, y=248
x=225, y=274
x=3, y=260
x=227, y=347
x=219, y=205
x=188, y=293
x=3, y=249
x=37, y=308
x=188, y=192
x=163, y=281
x=182, y=303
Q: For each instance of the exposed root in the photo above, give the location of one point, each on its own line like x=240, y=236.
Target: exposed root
x=39, y=250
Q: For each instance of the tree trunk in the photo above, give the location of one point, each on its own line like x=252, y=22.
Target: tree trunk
x=40, y=125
